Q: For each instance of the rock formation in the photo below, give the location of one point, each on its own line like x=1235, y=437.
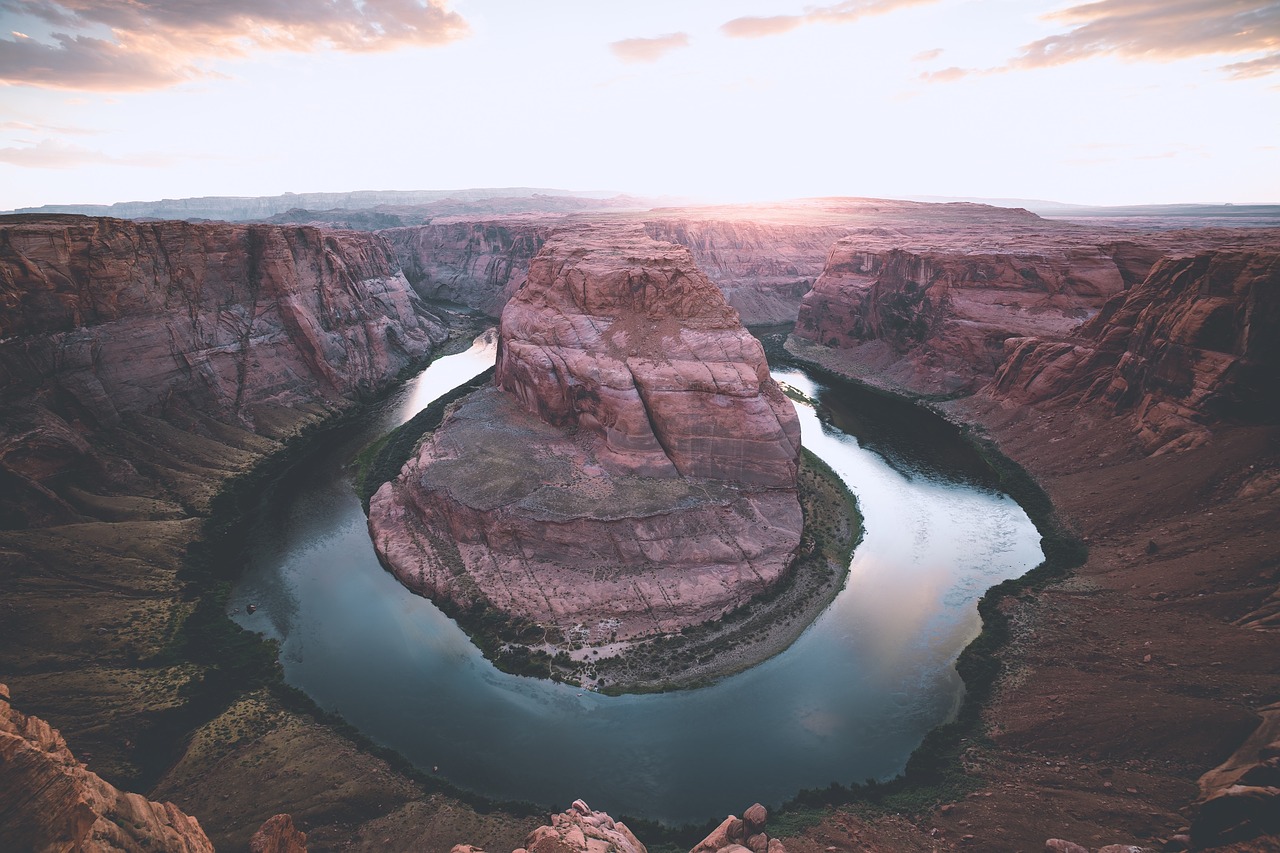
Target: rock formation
x=278, y=835
x=737, y=835
x=257, y=326
x=953, y=308
x=635, y=470
x=578, y=829
x=50, y=801
x=763, y=268
x=1193, y=345
x=581, y=830
x=477, y=264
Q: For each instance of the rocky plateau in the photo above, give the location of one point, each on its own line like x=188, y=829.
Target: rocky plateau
x=632, y=472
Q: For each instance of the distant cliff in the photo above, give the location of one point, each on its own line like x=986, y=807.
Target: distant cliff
x=477, y=264
x=763, y=268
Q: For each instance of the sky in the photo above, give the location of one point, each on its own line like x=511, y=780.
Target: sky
x=1104, y=102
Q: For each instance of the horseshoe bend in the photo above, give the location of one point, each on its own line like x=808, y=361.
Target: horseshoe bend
x=630, y=472
x=633, y=471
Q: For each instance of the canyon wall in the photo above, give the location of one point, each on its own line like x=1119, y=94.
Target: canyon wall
x=944, y=315
x=474, y=263
x=763, y=268
x=256, y=326
x=1192, y=346
x=636, y=465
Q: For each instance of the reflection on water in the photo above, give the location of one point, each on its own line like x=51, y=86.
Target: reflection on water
x=847, y=702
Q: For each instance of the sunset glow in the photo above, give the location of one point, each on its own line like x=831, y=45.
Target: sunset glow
x=1119, y=101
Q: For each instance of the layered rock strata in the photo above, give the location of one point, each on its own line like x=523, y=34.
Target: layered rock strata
x=1191, y=346
x=477, y=264
x=50, y=801
x=952, y=309
x=105, y=320
x=633, y=472
x=763, y=268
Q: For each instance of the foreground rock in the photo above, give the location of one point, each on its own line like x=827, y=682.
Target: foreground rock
x=633, y=473
x=581, y=830
x=50, y=801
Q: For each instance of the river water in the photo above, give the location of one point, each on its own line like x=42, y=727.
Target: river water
x=847, y=702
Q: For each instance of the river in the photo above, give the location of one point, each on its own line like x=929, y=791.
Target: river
x=847, y=702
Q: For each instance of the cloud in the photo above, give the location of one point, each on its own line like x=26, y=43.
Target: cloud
x=46, y=128
x=121, y=45
x=648, y=49
x=50, y=154
x=758, y=27
x=928, y=55
x=946, y=75
x=1259, y=67
x=836, y=13
x=1163, y=30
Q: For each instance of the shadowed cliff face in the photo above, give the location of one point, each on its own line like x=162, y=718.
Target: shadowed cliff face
x=257, y=326
x=763, y=268
x=1192, y=346
x=636, y=464
x=477, y=264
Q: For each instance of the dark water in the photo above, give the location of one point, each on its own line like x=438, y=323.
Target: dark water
x=847, y=702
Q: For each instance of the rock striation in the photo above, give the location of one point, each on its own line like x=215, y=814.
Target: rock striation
x=1191, y=346
x=950, y=309
x=634, y=470
x=764, y=268
x=479, y=264
x=50, y=801
x=255, y=326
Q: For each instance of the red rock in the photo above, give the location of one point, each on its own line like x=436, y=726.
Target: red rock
x=252, y=325
x=50, y=801
x=477, y=264
x=623, y=336
x=1058, y=845
x=1184, y=348
x=755, y=818
x=639, y=466
x=278, y=835
x=576, y=831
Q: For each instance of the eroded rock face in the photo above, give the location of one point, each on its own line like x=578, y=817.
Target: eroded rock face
x=764, y=268
x=477, y=264
x=50, y=801
x=635, y=468
x=104, y=319
x=952, y=308
x=1188, y=347
x=624, y=337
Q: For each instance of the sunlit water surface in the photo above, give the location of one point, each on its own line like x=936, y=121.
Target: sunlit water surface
x=847, y=702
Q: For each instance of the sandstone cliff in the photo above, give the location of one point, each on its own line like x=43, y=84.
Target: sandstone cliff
x=1192, y=346
x=763, y=268
x=257, y=326
x=953, y=308
x=635, y=471
x=49, y=801
x=477, y=264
